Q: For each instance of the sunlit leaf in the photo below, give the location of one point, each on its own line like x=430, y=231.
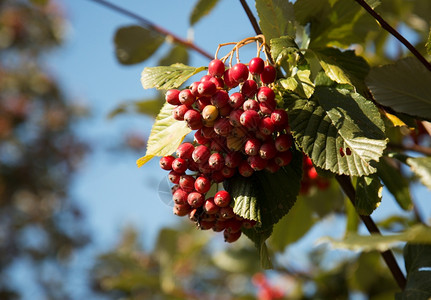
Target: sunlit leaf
x=134, y=44
x=283, y=47
x=421, y=166
x=396, y=183
x=368, y=194
x=404, y=87
x=276, y=18
x=418, y=266
x=167, y=77
x=418, y=234
x=300, y=84
x=339, y=130
x=166, y=135
x=201, y=9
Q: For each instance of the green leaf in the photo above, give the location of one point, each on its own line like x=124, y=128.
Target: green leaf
x=134, y=44
x=177, y=54
x=428, y=43
x=418, y=264
x=40, y=2
x=292, y=226
x=167, y=77
x=201, y=9
x=396, y=183
x=352, y=218
x=338, y=119
x=283, y=47
x=300, y=84
x=421, y=166
x=368, y=194
x=276, y=18
x=404, y=86
x=344, y=67
x=418, y=234
x=149, y=107
x=166, y=135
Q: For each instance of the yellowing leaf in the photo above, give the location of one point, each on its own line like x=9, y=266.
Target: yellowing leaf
x=394, y=120
x=167, y=77
x=166, y=135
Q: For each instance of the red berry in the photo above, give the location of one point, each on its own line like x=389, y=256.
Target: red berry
x=233, y=159
x=222, y=198
x=250, y=119
x=230, y=237
x=187, y=183
x=272, y=166
x=228, y=172
x=247, y=224
x=193, y=119
x=206, y=225
x=199, y=138
x=228, y=80
x=174, y=177
x=217, y=176
x=233, y=225
x=166, y=162
x=267, y=107
x=171, y=97
x=202, y=102
x=181, y=210
x=267, y=150
x=244, y=169
x=179, y=165
x=220, y=98
x=216, y=161
x=218, y=144
x=256, y=65
x=235, y=117
x=265, y=94
x=201, y=154
x=222, y=127
x=206, y=78
x=219, y=83
x=205, y=168
x=251, y=104
x=257, y=163
x=279, y=118
x=216, y=68
x=268, y=74
x=179, y=112
x=226, y=212
x=210, y=207
x=239, y=72
x=236, y=100
x=195, y=199
x=283, y=142
x=225, y=110
x=194, y=88
x=186, y=97
x=207, y=88
x=202, y=184
x=266, y=126
x=180, y=196
x=249, y=88
x=208, y=132
x=219, y=225
x=312, y=173
x=238, y=132
x=283, y=158
x=252, y=146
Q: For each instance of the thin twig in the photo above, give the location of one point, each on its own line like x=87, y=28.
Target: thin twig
x=154, y=27
x=251, y=17
x=387, y=255
x=394, y=32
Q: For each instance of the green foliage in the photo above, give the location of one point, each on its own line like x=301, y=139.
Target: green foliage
x=421, y=166
x=404, y=87
x=428, y=43
x=201, y=9
x=149, y=107
x=418, y=261
x=368, y=194
x=334, y=119
x=135, y=44
x=166, y=135
x=276, y=18
x=167, y=77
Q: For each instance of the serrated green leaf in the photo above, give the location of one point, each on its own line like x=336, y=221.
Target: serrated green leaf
x=283, y=47
x=421, y=166
x=344, y=67
x=404, y=86
x=396, y=183
x=292, y=226
x=368, y=194
x=338, y=119
x=276, y=18
x=300, y=84
x=418, y=234
x=201, y=9
x=149, y=107
x=166, y=135
x=134, y=44
x=177, y=54
x=418, y=263
x=167, y=77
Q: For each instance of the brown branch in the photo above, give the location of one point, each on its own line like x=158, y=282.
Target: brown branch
x=387, y=255
x=394, y=32
x=154, y=27
x=251, y=17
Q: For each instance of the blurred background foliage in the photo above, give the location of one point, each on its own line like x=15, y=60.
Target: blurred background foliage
x=39, y=153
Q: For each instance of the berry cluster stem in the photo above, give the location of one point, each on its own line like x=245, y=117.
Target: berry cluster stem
x=387, y=255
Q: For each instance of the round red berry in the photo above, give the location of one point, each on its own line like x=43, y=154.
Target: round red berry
x=186, y=97
x=166, y=162
x=283, y=142
x=179, y=112
x=195, y=199
x=236, y=100
x=249, y=88
x=201, y=154
x=180, y=196
x=250, y=119
x=202, y=184
x=222, y=198
x=171, y=97
x=256, y=65
x=179, y=165
x=220, y=98
x=239, y=72
x=207, y=88
x=193, y=119
x=216, y=68
x=268, y=74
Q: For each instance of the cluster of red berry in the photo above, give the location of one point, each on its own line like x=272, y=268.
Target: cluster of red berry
x=311, y=178
x=241, y=132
